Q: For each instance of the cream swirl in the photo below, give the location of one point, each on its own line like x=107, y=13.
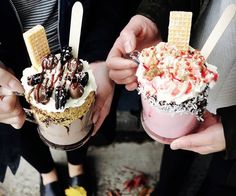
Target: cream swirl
x=51, y=77
x=173, y=75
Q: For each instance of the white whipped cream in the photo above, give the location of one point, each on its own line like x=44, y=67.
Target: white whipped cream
x=50, y=106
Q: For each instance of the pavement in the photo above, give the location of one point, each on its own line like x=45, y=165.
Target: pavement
x=114, y=167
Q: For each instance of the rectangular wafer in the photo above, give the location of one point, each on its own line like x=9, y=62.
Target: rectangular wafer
x=179, y=29
x=36, y=44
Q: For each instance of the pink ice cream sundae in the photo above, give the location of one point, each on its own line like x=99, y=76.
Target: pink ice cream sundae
x=174, y=85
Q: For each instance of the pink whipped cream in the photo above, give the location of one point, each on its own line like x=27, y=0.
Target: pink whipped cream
x=174, y=76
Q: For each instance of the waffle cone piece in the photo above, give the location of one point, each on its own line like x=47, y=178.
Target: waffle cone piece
x=37, y=45
x=66, y=117
x=179, y=29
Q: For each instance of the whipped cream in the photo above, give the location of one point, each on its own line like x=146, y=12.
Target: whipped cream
x=50, y=76
x=172, y=75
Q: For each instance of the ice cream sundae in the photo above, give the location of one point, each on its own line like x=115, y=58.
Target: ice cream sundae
x=61, y=91
x=173, y=82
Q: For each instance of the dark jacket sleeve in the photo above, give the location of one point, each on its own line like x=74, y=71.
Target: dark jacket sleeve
x=9, y=149
x=103, y=20
x=228, y=119
x=102, y=24
x=158, y=11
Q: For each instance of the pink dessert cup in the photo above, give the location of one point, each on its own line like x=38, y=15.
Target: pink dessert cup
x=165, y=126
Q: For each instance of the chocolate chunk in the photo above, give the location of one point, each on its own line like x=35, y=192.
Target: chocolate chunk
x=80, y=65
x=35, y=79
x=42, y=94
x=61, y=96
x=76, y=90
x=75, y=65
x=72, y=65
x=84, y=78
x=66, y=54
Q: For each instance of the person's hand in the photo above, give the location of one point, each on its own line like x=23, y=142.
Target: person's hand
x=208, y=137
x=105, y=91
x=11, y=111
x=139, y=33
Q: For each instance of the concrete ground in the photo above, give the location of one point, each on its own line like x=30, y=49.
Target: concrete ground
x=133, y=153
x=112, y=166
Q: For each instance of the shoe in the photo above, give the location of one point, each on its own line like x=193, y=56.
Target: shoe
x=80, y=180
x=51, y=189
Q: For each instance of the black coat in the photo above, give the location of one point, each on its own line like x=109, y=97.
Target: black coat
x=186, y=173
x=102, y=22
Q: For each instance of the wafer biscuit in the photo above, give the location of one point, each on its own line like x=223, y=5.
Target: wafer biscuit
x=179, y=29
x=37, y=45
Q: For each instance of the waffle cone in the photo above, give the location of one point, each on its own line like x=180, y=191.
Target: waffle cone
x=179, y=29
x=37, y=45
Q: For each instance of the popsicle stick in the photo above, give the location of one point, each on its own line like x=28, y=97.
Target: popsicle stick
x=75, y=28
x=218, y=30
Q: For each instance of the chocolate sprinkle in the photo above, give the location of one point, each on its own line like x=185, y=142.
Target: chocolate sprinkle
x=196, y=105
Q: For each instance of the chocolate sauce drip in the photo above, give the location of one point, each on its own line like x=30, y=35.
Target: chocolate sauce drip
x=67, y=130
x=75, y=66
x=80, y=65
x=68, y=76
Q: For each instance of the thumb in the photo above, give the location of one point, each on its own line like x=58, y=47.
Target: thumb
x=9, y=81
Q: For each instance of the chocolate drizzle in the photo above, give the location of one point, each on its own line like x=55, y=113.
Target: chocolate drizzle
x=49, y=62
x=59, y=79
x=67, y=130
